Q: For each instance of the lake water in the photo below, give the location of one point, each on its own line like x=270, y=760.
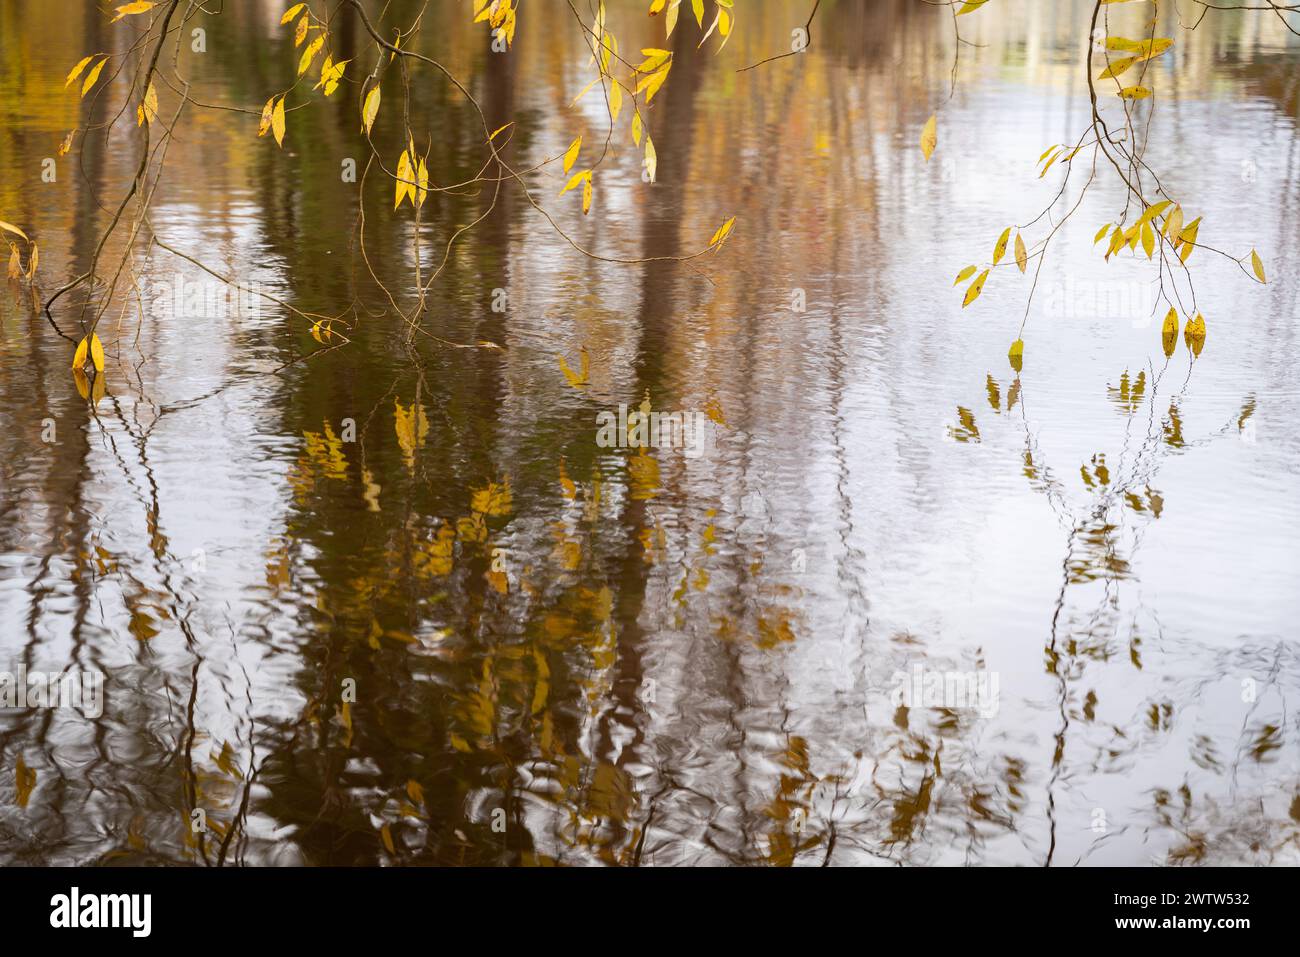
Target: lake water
x=399, y=602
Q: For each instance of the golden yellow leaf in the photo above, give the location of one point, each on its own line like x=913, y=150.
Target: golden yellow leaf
x=721, y=233
x=1187, y=238
x=1000, y=247
x=309, y=54
x=130, y=9
x=370, y=109
x=1134, y=93
x=404, y=173
x=96, y=352
x=636, y=127
x=575, y=180
x=291, y=13
x=651, y=159
x=1258, y=265
x=697, y=7
x=974, y=289
x=576, y=379
x=92, y=76
x=148, y=111
x=300, y=32
x=1170, y=326
x=586, y=196
x=10, y=227
x=76, y=70
x=422, y=179
x=1100, y=233
x=929, y=136
x=386, y=833
x=964, y=275
x=264, y=126
x=79, y=357
x=571, y=154
x=277, y=122
x=1022, y=255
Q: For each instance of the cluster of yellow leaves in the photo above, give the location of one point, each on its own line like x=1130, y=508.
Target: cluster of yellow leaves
x=94, y=347
x=1056, y=152
x=999, y=252
x=724, y=17
x=582, y=179
x=412, y=178
x=501, y=16
x=330, y=74
x=93, y=76
x=1138, y=51
x=273, y=119
x=1182, y=237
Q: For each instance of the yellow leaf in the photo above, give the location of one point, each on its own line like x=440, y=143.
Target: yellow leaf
x=615, y=102
x=1117, y=67
x=721, y=233
x=309, y=54
x=264, y=126
x=1022, y=255
x=291, y=13
x=76, y=70
x=571, y=154
x=31, y=263
x=1134, y=93
x=92, y=76
x=929, y=136
x=386, y=833
x=422, y=179
x=300, y=32
x=964, y=275
x=974, y=289
x=1173, y=224
x=575, y=180
x=1188, y=238
x=1100, y=233
x=129, y=9
x=1000, y=247
x=499, y=129
x=9, y=227
x=586, y=196
x=1170, y=327
x=370, y=109
x=970, y=6
x=148, y=111
x=1017, y=349
x=697, y=7
x=651, y=159
x=1148, y=239
x=404, y=173
x=1258, y=265
x=97, y=352
x=636, y=127
x=79, y=357
x=277, y=122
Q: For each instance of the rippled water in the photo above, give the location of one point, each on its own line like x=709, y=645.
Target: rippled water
x=567, y=653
